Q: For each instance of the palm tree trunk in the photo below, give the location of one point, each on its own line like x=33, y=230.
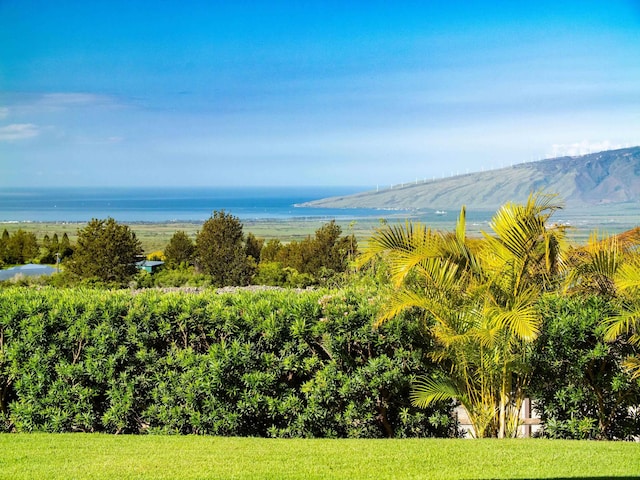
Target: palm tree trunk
x=503, y=403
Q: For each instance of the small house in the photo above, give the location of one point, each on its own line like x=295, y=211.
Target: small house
x=150, y=266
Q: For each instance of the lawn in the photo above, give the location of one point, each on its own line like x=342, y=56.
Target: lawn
x=96, y=456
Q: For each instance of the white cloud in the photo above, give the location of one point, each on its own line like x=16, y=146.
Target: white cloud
x=581, y=148
x=18, y=131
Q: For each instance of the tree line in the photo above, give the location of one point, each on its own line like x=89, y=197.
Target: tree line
x=108, y=253
x=23, y=247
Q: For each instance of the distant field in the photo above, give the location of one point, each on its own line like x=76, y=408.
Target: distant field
x=155, y=236
x=95, y=456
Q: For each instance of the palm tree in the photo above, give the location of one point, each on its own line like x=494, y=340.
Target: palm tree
x=480, y=297
x=609, y=266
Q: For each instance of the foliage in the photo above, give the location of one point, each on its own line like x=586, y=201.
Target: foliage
x=106, y=251
x=23, y=247
x=316, y=260
x=270, y=250
x=579, y=383
x=157, y=255
x=3, y=246
x=275, y=363
x=479, y=298
x=326, y=250
x=19, y=248
x=274, y=273
x=65, y=249
x=610, y=267
x=183, y=276
x=180, y=250
x=253, y=247
x=48, y=250
x=221, y=252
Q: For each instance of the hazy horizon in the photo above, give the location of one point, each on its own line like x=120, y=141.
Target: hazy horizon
x=315, y=94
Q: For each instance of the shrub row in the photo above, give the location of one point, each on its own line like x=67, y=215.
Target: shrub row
x=579, y=385
x=274, y=363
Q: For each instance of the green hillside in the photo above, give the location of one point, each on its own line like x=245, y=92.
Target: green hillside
x=601, y=178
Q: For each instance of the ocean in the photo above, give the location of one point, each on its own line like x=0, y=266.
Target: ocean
x=171, y=204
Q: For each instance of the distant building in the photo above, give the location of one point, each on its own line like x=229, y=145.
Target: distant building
x=29, y=270
x=150, y=266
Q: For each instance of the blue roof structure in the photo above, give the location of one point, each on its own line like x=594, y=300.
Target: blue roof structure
x=29, y=270
x=149, y=263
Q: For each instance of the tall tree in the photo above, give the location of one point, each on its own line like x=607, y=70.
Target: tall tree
x=254, y=247
x=105, y=250
x=326, y=250
x=179, y=250
x=21, y=247
x=479, y=297
x=270, y=250
x=47, y=255
x=3, y=246
x=64, y=248
x=220, y=250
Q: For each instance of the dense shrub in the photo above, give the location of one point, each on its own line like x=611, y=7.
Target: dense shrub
x=580, y=387
x=314, y=260
x=273, y=363
x=184, y=275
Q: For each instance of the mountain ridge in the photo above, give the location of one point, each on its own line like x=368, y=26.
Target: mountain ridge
x=607, y=177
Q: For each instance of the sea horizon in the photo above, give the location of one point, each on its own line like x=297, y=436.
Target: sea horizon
x=172, y=204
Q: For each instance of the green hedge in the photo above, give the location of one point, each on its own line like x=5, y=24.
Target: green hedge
x=275, y=363
x=579, y=384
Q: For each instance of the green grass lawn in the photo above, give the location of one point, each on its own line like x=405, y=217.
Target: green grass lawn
x=95, y=456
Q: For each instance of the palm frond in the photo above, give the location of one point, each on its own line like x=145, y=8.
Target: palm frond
x=389, y=238
x=402, y=300
x=520, y=318
x=426, y=391
x=405, y=246
x=626, y=322
x=628, y=276
x=632, y=364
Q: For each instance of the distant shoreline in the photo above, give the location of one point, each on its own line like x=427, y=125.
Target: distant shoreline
x=154, y=235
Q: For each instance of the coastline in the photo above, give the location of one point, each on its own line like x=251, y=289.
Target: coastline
x=154, y=235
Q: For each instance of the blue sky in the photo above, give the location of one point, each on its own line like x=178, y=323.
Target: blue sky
x=308, y=93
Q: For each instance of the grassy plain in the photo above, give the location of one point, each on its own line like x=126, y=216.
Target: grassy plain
x=98, y=456
x=154, y=236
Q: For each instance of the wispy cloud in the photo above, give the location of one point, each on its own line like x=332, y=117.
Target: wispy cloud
x=20, y=104
x=18, y=131
x=71, y=99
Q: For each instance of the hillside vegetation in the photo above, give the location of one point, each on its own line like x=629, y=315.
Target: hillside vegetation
x=595, y=179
